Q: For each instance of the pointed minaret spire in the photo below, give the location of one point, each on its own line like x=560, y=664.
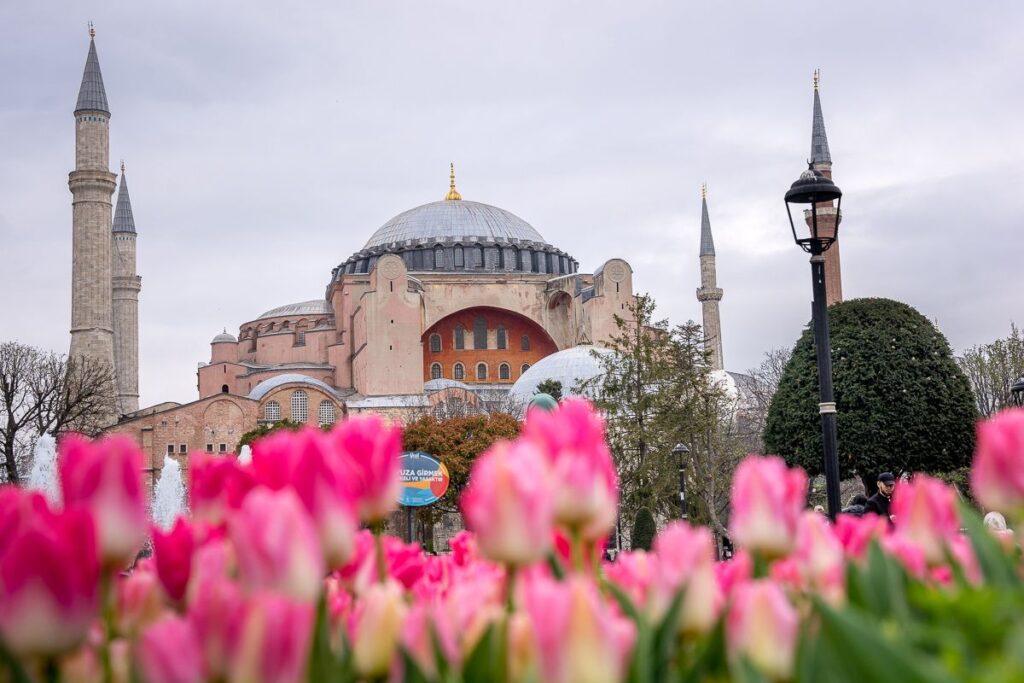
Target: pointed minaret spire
x=819, y=141
x=123, y=219
x=91, y=95
x=707, y=243
x=709, y=293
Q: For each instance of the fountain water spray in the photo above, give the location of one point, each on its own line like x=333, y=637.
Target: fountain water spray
x=43, y=475
x=245, y=455
x=169, y=497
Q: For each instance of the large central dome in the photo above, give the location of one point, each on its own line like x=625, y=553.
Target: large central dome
x=454, y=220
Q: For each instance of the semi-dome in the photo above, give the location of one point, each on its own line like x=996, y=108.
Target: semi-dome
x=268, y=385
x=224, y=336
x=454, y=220
x=571, y=367
x=314, y=307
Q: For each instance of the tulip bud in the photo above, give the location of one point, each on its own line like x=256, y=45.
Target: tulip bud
x=925, y=514
x=378, y=622
x=767, y=499
x=997, y=476
x=172, y=552
x=369, y=449
x=762, y=626
x=169, y=652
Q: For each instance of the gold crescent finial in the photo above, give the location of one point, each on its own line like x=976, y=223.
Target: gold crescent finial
x=703, y=190
x=453, y=194
x=817, y=79
x=92, y=31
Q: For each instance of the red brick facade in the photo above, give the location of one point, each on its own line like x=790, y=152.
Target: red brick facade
x=497, y=323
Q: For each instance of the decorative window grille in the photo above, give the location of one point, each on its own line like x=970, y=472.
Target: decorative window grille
x=522, y=370
x=524, y=343
x=272, y=411
x=327, y=413
x=459, y=372
x=435, y=371
x=479, y=333
x=481, y=371
x=435, y=343
x=460, y=337
x=300, y=406
x=504, y=371
x=502, y=337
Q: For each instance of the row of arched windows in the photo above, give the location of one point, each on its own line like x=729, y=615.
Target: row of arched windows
x=459, y=371
x=327, y=413
x=479, y=338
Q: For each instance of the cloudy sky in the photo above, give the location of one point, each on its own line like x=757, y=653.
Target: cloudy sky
x=265, y=143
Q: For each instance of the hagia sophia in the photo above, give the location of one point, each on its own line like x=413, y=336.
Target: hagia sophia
x=455, y=302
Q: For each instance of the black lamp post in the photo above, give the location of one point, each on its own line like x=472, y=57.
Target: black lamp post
x=813, y=188
x=681, y=451
x=1017, y=390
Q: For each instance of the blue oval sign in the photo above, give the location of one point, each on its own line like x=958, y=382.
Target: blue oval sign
x=424, y=479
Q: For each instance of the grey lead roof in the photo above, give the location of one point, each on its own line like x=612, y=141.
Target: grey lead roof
x=314, y=307
x=819, y=142
x=123, y=219
x=92, y=96
x=707, y=244
x=454, y=219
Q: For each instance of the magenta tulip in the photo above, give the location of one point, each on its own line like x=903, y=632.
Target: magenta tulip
x=925, y=514
x=169, y=652
x=105, y=477
x=217, y=485
x=273, y=640
x=172, y=552
x=370, y=448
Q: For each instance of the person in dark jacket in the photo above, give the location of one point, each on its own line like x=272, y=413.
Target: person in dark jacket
x=879, y=503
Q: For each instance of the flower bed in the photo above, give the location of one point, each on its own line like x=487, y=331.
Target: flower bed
x=279, y=576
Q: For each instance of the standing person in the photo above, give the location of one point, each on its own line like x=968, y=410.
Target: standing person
x=879, y=503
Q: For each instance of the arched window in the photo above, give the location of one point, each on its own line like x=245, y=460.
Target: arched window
x=502, y=337
x=504, y=371
x=435, y=343
x=524, y=343
x=459, y=372
x=439, y=258
x=460, y=337
x=435, y=371
x=300, y=406
x=522, y=370
x=327, y=413
x=501, y=258
x=525, y=260
x=479, y=333
x=459, y=260
x=478, y=260
x=481, y=371
x=538, y=262
x=223, y=388
x=272, y=411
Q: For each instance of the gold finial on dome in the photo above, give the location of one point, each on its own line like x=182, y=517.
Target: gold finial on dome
x=92, y=30
x=817, y=79
x=452, y=192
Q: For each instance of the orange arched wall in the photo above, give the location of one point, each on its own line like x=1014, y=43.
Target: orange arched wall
x=516, y=326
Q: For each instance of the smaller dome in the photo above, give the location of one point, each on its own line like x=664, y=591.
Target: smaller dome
x=314, y=307
x=432, y=385
x=267, y=385
x=224, y=337
x=570, y=367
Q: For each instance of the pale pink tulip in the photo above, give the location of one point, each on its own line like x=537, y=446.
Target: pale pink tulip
x=767, y=499
x=49, y=575
x=820, y=556
x=276, y=545
x=634, y=572
x=420, y=630
x=216, y=613
x=909, y=553
x=762, y=626
x=997, y=476
x=925, y=514
x=735, y=572
x=217, y=485
x=105, y=477
x=139, y=599
x=370, y=447
x=305, y=463
x=376, y=626
x=169, y=652
x=273, y=641
x=172, y=553
x=586, y=485
x=508, y=503
x=686, y=559
x=578, y=636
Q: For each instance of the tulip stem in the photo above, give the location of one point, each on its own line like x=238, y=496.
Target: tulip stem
x=107, y=606
x=576, y=541
x=510, y=588
x=51, y=670
x=14, y=667
x=378, y=544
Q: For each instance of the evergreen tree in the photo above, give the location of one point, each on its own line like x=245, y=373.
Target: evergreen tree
x=644, y=530
x=551, y=387
x=903, y=403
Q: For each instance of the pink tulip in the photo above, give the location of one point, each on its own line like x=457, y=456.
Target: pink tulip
x=762, y=626
x=216, y=613
x=997, y=476
x=420, y=629
x=686, y=559
x=139, y=599
x=217, y=485
x=169, y=652
x=634, y=572
x=508, y=503
x=767, y=499
x=578, y=636
x=464, y=548
x=909, y=554
x=105, y=477
x=304, y=462
x=371, y=448
x=925, y=513
x=49, y=575
x=172, y=551
x=276, y=545
x=819, y=555
x=273, y=641
x=734, y=573
x=377, y=623
x=585, y=482
x=856, y=533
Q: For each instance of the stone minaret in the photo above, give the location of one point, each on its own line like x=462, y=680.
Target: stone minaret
x=91, y=184
x=827, y=216
x=709, y=293
x=126, y=286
